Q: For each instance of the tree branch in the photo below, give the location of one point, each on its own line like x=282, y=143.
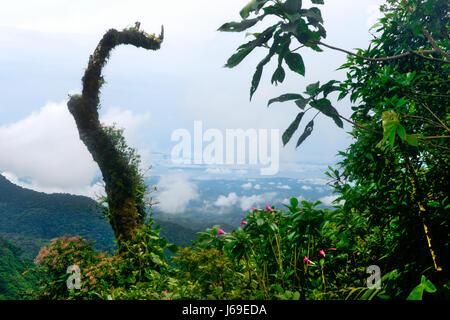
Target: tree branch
x=123, y=182
x=398, y=56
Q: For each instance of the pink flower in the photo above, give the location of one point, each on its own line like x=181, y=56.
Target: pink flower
x=302, y=212
x=253, y=209
x=243, y=222
x=305, y=259
x=220, y=232
x=269, y=208
x=333, y=249
x=289, y=230
x=165, y=293
x=322, y=253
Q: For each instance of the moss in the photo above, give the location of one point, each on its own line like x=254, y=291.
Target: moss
x=118, y=163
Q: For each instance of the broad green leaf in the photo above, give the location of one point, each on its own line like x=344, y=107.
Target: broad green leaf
x=317, y=1
x=294, y=202
x=301, y=102
x=285, y=97
x=278, y=75
x=412, y=140
x=313, y=14
x=324, y=106
x=428, y=286
x=295, y=63
x=236, y=58
x=329, y=87
x=239, y=26
x=292, y=6
x=416, y=293
x=243, y=51
x=308, y=130
x=287, y=135
x=313, y=88
x=251, y=6
x=259, y=68
x=401, y=132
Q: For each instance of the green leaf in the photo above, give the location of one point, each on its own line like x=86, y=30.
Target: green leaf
x=308, y=130
x=239, y=26
x=412, y=140
x=324, y=106
x=416, y=293
x=313, y=14
x=292, y=6
x=287, y=135
x=302, y=102
x=285, y=97
x=244, y=50
x=295, y=63
x=329, y=87
x=278, y=75
x=313, y=88
x=428, y=286
x=251, y=6
x=294, y=202
x=259, y=69
x=317, y=1
x=401, y=132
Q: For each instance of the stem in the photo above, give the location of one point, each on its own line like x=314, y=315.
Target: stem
x=417, y=195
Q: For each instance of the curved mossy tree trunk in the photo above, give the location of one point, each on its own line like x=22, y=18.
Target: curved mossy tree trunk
x=123, y=183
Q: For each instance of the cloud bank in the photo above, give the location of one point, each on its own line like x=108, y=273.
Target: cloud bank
x=43, y=151
x=174, y=192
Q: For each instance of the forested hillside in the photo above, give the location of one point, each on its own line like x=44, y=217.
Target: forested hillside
x=32, y=218
x=15, y=278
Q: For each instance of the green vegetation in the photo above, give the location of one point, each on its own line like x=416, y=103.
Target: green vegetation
x=393, y=182
x=30, y=219
x=16, y=280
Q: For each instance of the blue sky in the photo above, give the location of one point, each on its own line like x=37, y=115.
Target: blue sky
x=44, y=48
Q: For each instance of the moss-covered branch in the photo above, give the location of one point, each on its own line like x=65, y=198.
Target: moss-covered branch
x=124, y=184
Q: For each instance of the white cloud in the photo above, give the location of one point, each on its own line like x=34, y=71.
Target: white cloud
x=244, y=202
x=226, y=201
x=284, y=187
x=94, y=191
x=174, y=193
x=44, y=149
x=306, y=188
x=247, y=185
x=314, y=181
x=319, y=189
x=257, y=186
x=328, y=200
x=247, y=202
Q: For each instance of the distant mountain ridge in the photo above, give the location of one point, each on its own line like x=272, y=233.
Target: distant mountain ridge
x=28, y=216
x=30, y=219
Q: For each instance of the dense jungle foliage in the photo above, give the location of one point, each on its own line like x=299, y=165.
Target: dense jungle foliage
x=393, y=182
